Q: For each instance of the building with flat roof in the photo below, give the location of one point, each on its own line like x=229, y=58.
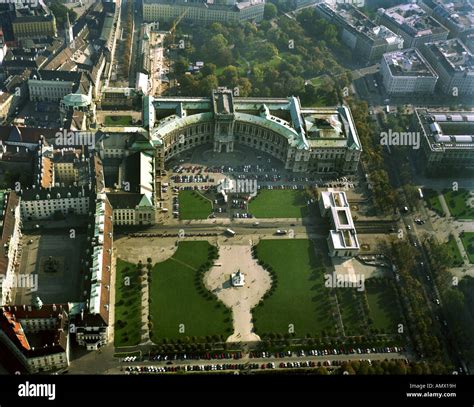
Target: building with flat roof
x=413, y=24
x=456, y=16
x=358, y=32
x=342, y=239
x=454, y=63
x=447, y=141
x=407, y=71
x=203, y=11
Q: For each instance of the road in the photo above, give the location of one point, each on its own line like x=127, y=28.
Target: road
x=430, y=289
x=105, y=363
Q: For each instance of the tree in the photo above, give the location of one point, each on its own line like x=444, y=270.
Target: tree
x=270, y=11
x=230, y=76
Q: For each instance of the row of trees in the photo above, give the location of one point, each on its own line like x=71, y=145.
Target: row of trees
x=421, y=326
x=458, y=297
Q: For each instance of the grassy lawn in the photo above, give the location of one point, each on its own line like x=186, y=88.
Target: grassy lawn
x=175, y=299
x=456, y=258
x=468, y=242
x=192, y=205
x=300, y=298
x=348, y=299
x=457, y=203
x=118, y=120
x=281, y=203
x=433, y=202
x=383, y=307
x=128, y=322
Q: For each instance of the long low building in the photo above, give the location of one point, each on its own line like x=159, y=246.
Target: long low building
x=317, y=140
x=342, y=239
x=203, y=11
x=413, y=24
x=447, y=141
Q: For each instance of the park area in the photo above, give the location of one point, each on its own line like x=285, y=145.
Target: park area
x=300, y=299
x=455, y=259
x=460, y=204
x=193, y=205
x=281, y=203
x=432, y=199
x=384, y=311
x=128, y=323
x=118, y=121
x=179, y=306
x=467, y=239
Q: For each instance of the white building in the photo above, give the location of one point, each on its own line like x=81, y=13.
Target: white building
x=342, y=239
x=40, y=204
x=131, y=209
x=37, y=336
x=406, y=71
x=454, y=64
x=9, y=244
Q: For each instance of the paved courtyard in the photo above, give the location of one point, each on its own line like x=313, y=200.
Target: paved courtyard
x=63, y=285
x=240, y=299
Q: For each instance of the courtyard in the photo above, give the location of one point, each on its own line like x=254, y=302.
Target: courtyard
x=60, y=283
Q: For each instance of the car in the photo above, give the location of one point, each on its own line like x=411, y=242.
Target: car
x=437, y=301
x=409, y=227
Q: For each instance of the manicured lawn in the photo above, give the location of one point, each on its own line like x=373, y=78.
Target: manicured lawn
x=468, y=242
x=176, y=302
x=128, y=295
x=192, y=205
x=457, y=203
x=456, y=258
x=118, y=120
x=383, y=307
x=348, y=299
x=281, y=203
x=300, y=298
x=433, y=202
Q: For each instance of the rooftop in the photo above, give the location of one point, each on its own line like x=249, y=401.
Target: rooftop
x=447, y=130
x=412, y=19
x=408, y=62
x=453, y=54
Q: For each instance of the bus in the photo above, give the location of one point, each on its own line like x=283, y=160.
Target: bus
x=230, y=232
x=420, y=192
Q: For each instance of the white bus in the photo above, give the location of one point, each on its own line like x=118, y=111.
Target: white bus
x=420, y=192
x=230, y=232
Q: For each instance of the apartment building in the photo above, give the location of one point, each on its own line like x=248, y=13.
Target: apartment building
x=406, y=71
